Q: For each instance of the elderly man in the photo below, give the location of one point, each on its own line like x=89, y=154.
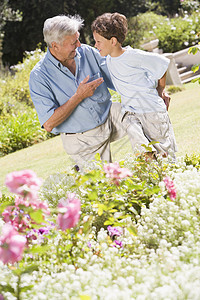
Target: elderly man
x=69, y=88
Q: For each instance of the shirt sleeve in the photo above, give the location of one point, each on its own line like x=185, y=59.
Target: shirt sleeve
x=42, y=97
x=154, y=63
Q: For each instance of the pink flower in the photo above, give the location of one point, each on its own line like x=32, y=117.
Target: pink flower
x=34, y=203
x=169, y=184
x=117, y=243
x=11, y=245
x=24, y=183
x=115, y=231
x=115, y=172
x=16, y=217
x=70, y=212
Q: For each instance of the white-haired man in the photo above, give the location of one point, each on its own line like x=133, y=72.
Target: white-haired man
x=69, y=88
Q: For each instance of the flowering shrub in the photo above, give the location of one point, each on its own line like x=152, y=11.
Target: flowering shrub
x=24, y=183
x=174, y=34
x=11, y=245
x=20, y=126
x=178, y=33
x=116, y=173
x=69, y=212
x=16, y=86
x=20, y=130
x=144, y=251
x=170, y=187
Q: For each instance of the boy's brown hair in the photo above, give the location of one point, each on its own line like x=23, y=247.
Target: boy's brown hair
x=111, y=25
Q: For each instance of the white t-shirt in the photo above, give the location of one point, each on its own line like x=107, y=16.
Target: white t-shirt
x=135, y=75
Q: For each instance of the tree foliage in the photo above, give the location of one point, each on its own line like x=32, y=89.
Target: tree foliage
x=23, y=35
x=167, y=7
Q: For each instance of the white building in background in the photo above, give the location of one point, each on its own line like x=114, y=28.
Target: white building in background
x=181, y=62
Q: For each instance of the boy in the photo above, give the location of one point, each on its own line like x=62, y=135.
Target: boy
x=139, y=77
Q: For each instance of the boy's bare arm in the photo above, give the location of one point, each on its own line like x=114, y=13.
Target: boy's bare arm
x=161, y=90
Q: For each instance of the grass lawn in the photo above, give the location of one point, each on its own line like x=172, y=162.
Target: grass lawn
x=49, y=157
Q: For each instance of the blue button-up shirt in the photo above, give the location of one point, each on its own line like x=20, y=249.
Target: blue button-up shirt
x=52, y=84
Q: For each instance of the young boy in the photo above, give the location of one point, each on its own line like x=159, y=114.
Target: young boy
x=139, y=77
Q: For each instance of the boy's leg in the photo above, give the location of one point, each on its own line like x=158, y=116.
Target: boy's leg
x=157, y=127
x=136, y=134
x=118, y=130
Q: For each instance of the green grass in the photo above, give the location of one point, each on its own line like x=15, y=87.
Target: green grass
x=184, y=113
x=49, y=157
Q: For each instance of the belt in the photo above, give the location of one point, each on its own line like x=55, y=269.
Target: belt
x=68, y=133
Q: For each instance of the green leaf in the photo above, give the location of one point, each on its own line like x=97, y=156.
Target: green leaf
x=87, y=225
x=97, y=157
x=100, y=209
x=133, y=210
x=30, y=269
x=92, y=195
x=193, y=50
x=39, y=249
x=37, y=216
x=110, y=221
x=68, y=247
x=7, y=288
x=132, y=230
x=4, y=205
x=26, y=288
x=149, y=149
x=195, y=80
x=195, y=68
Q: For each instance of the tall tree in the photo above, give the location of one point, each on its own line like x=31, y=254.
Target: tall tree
x=23, y=35
x=167, y=7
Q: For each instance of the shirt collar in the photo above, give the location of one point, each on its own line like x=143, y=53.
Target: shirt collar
x=59, y=65
x=56, y=62
x=53, y=59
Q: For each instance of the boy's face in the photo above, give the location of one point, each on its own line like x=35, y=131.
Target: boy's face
x=102, y=44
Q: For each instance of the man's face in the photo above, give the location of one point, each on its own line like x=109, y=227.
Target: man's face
x=66, y=50
x=102, y=44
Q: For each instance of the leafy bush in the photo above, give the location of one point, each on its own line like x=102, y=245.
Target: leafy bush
x=141, y=28
x=189, y=5
x=172, y=89
x=20, y=131
x=101, y=197
x=20, y=127
x=16, y=86
x=178, y=33
x=9, y=106
x=174, y=34
x=193, y=160
x=157, y=249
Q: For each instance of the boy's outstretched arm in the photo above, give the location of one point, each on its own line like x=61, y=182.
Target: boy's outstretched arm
x=161, y=90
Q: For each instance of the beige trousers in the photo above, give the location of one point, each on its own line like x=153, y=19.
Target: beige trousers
x=82, y=147
x=145, y=128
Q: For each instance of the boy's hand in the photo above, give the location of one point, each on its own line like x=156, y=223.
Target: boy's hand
x=166, y=98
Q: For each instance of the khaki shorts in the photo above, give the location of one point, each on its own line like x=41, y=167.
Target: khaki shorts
x=148, y=127
x=82, y=147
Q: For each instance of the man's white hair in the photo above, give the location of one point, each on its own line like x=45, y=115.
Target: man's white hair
x=56, y=28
